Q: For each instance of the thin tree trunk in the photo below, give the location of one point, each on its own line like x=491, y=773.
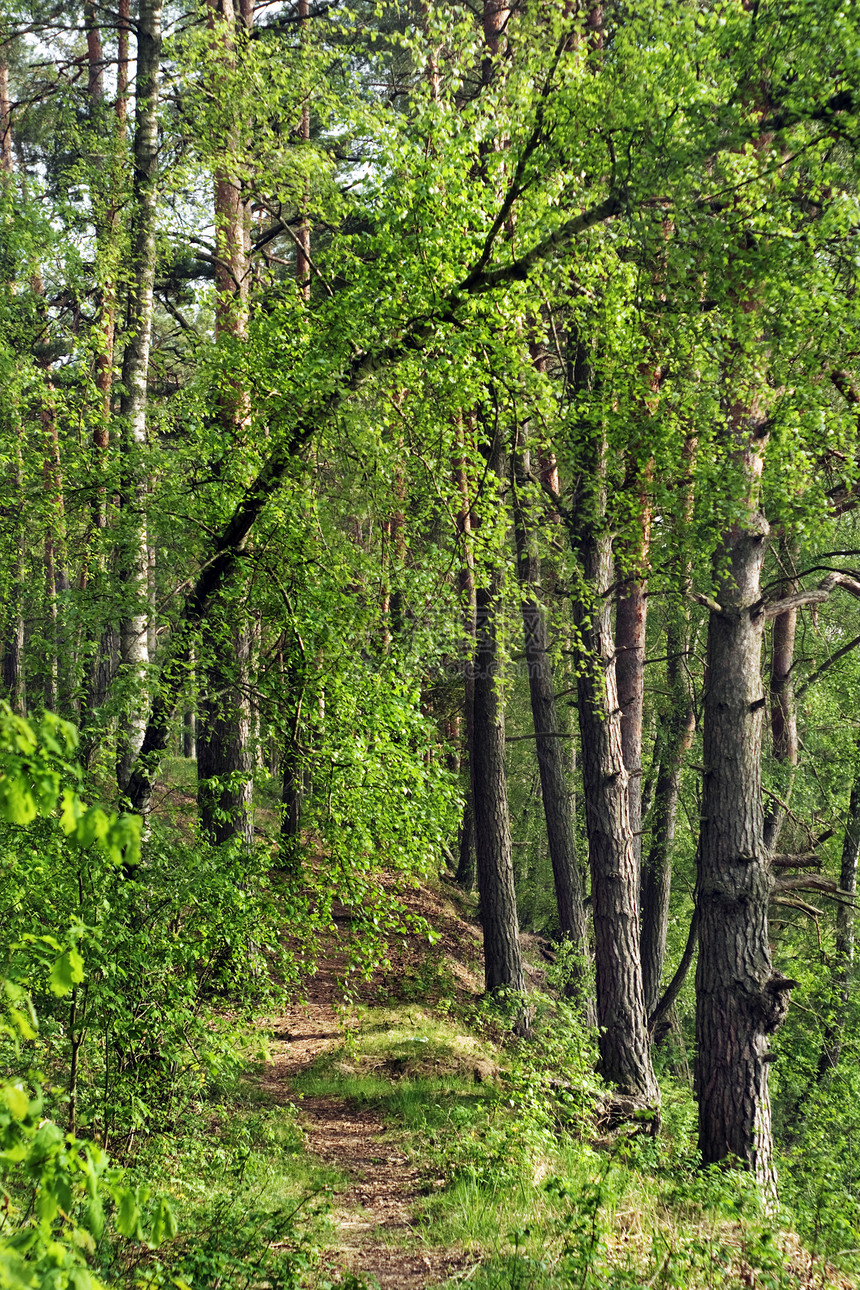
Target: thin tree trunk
x=466, y=870
x=189, y=733
x=293, y=767
x=6, y=150
x=466, y=862
x=555, y=789
x=224, y=765
x=630, y=624
x=134, y=652
x=783, y=709
x=503, y=968
x=223, y=736
x=303, y=234
x=678, y=724
x=58, y=666
x=13, y=625
x=831, y=1047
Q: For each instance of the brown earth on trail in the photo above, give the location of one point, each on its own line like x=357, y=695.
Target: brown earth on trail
x=376, y=1236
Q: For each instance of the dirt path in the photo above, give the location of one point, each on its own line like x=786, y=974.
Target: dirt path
x=376, y=1236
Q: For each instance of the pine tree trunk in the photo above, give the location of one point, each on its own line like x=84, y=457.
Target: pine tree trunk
x=678, y=725
x=134, y=652
x=503, y=968
x=740, y=1002
x=625, y=1050
x=550, y=747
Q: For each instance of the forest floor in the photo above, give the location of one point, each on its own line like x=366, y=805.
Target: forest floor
x=404, y=1096
x=377, y=1236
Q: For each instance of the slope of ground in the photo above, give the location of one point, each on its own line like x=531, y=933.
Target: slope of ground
x=376, y=1235
x=462, y=1155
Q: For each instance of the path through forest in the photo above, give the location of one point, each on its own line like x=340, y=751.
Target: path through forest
x=376, y=1235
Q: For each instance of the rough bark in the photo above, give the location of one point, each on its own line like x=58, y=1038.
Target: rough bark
x=503, y=968
x=740, y=1001
x=555, y=789
x=134, y=652
x=630, y=621
x=625, y=1050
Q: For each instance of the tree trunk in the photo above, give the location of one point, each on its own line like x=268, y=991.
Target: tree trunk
x=293, y=766
x=102, y=643
x=13, y=624
x=189, y=733
x=555, y=789
x=224, y=713
x=224, y=765
x=630, y=621
x=625, y=1050
x=831, y=1047
x=466, y=871
x=783, y=709
x=134, y=653
x=678, y=724
x=740, y=1002
x=466, y=862
x=630, y=624
x=503, y=968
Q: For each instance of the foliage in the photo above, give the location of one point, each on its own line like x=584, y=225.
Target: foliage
x=54, y=1208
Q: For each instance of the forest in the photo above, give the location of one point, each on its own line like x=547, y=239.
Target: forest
x=429, y=774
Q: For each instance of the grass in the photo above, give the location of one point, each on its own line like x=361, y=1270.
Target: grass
x=532, y=1204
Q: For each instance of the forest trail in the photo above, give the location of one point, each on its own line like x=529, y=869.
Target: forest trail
x=376, y=1236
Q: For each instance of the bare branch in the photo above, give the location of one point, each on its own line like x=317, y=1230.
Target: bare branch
x=812, y=596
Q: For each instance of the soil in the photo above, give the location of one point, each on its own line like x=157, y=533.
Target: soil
x=377, y=1237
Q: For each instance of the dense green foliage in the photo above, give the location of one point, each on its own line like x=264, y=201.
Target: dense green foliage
x=419, y=280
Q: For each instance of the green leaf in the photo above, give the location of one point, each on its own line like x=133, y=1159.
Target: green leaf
x=163, y=1223
x=127, y=1220
x=67, y=971
x=17, y=804
x=15, y=1099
